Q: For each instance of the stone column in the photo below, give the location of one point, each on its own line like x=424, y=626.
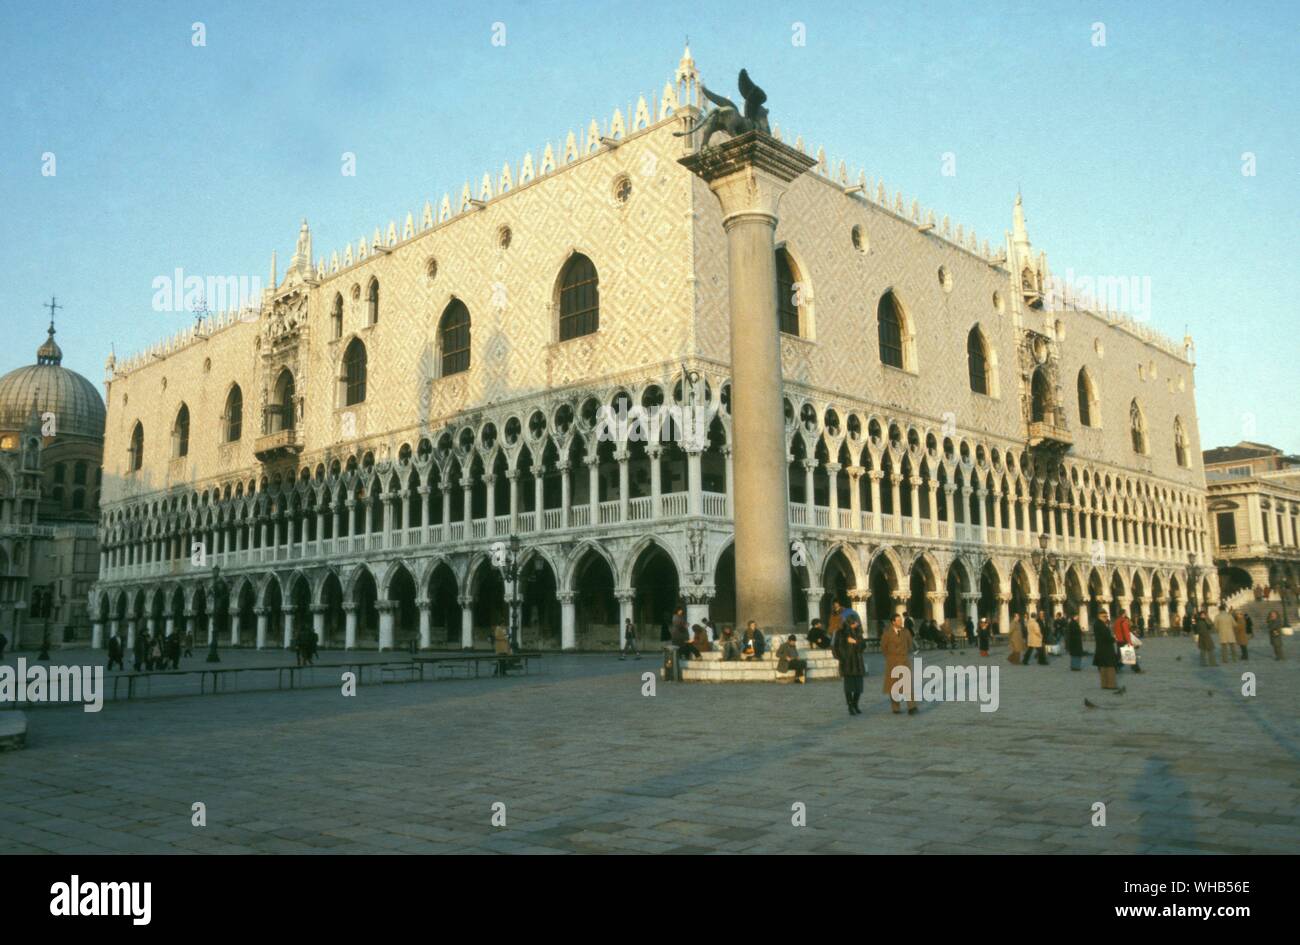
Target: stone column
x=234, y=627
x=568, y=621
x=262, y=615
x=350, y=626
x=855, y=499
x=318, y=623
x=914, y=483
x=748, y=174
x=426, y=633
x=466, y=621
x=563, y=467
x=875, y=475
x=655, y=502
x=813, y=596
x=286, y=619
x=97, y=635
x=697, y=606
x=386, y=610
x=1004, y=614
x=513, y=476
x=626, y=596
x=624, y=458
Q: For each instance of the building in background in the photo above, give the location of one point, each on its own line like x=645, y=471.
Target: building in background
x=51, y=456
x=1254, y=508
x=356, y=455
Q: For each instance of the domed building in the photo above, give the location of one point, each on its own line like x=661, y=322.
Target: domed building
x=51, y=457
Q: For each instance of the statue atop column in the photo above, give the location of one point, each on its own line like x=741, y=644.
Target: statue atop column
x=727, y=117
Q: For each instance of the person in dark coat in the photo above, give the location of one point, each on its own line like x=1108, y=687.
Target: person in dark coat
x=818, y=638
x=116, y=651
x=848, y=647
x=1104, y=656
x=985, y=635
x=141, y=650
x=1074, y=644
x=173, y=651
x=970, y=630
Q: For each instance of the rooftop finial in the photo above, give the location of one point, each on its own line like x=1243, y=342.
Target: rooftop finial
x=49, y=352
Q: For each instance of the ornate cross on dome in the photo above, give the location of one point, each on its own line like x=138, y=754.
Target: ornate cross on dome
x=52, y=305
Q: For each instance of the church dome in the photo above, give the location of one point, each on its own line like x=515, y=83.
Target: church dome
x=49, y=387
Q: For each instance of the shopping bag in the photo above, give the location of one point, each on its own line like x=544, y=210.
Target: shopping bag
x=1128, y=655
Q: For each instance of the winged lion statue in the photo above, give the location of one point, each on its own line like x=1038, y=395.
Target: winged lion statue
x=727, y=117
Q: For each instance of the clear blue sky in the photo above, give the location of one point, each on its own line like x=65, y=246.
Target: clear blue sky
x=1129, y=155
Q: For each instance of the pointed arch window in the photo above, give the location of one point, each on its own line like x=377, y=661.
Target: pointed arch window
x=579, y=298
x=336, y=317
x=280, y=415
x=372, y=302
x=977, y=361
x=234, y=415
x=1040, y=409
x=1180, y=442
x=1087, y=399
x=889, y=330
x=788, y=292
x=1137, y=428
x=453, y=338
x=135, y=455
x=181, y=433
x=354, y=373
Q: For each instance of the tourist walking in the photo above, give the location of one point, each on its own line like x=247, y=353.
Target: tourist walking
x=1205, y=637
x=970, y=630
x=1074, y=644
x=1275, y=633
x=787, y=658
x=156, y=652
x=189, y=643
x=896, y=645
x=1104, y=656
x=1035, y=641
x=984, y=636
x=1124, y=637
x=1226, y=628
x=848, y=647
x=629, y=641
x=141, y=650
x=116, y=651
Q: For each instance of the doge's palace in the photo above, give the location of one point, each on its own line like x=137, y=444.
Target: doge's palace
x=544, y=356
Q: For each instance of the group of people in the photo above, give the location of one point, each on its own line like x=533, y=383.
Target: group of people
x=152, y=651
x=849, y=643
x=691, y=642
x=1232, y=630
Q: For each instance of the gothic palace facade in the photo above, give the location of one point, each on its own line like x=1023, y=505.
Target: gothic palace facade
x=347, y=456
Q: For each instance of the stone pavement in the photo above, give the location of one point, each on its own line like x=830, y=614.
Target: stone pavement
x=583, y=762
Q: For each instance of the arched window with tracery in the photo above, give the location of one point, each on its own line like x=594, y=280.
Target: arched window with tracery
x=280, y=416
x=354, y=373
x=453, y=338
x=579, y=298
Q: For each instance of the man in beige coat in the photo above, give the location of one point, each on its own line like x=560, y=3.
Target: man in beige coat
x=1035, y=634
x=896, y=645
x=1225, y=627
